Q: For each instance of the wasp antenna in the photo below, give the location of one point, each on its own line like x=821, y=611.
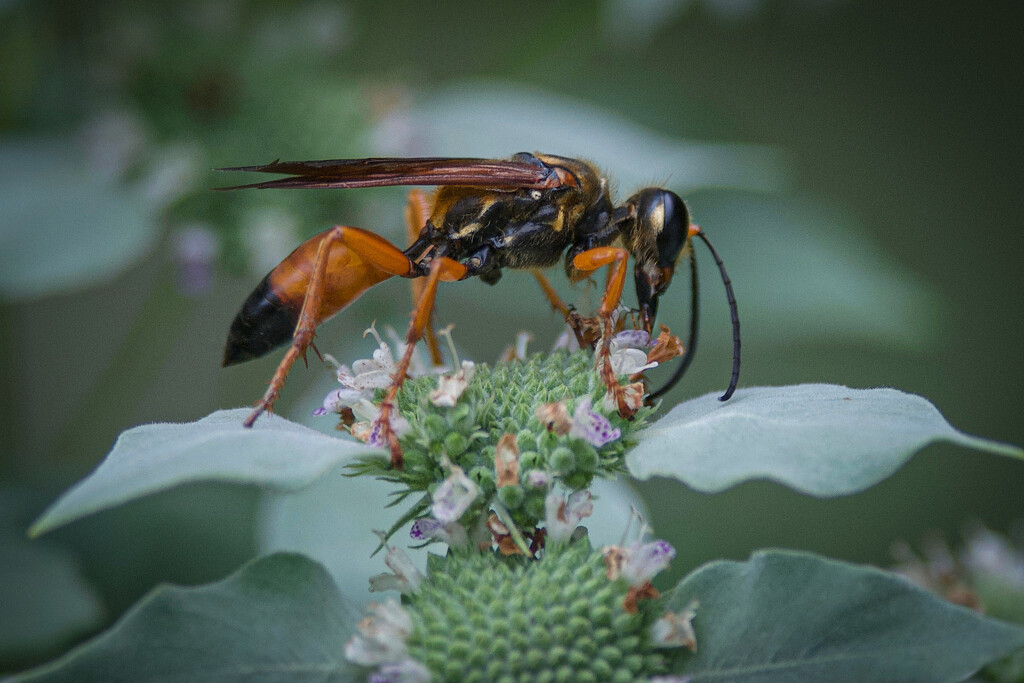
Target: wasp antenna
x=732, y=312
x=691, y=342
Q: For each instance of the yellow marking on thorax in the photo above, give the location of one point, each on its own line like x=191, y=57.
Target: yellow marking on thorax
x=468, y=230
x=559, y=221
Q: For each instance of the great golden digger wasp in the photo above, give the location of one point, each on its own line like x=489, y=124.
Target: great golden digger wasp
x=486, y=215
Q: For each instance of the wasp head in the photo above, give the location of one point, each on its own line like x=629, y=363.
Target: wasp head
x=655, y=238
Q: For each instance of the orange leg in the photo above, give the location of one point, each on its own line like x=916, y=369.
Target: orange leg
x=552, y=296
x=576, y=322
x=627, y=398
x=440, y=269
x=417, y=211
x=372, y=248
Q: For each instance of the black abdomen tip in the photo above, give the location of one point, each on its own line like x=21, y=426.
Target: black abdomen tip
x=263, y=324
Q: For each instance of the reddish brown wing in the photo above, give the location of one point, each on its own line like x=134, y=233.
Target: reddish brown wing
x=351, y=173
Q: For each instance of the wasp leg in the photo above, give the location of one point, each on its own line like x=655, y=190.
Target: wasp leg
x=375, y=250
x=442, y=268
x=627, y=398
x=417, y=211
x=573, y=318
x=552, y=296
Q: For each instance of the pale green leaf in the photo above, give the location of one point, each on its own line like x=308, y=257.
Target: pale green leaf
x=46, y=602
x=784, y=617
x=279, y=618
x=820, y=439
x=275, y=453
x=63, y=226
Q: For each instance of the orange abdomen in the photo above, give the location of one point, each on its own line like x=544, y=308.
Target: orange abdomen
x=269, y=315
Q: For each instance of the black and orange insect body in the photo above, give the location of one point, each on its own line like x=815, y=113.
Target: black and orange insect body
x=486, y=215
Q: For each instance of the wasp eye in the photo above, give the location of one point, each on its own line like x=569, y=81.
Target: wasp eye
x=662, y=217
x=675, y=226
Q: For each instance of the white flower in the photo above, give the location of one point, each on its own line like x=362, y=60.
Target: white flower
x=359, y=382
x=627, y=356
x=637, y=339
x=561, y=516
x=453, y=497
x=592, y=427
x=406, y=578
x=630, y=362
x=567, y=340
x=452, y=533
x=450, y=387
x=382, y=635
x=339, y=399
x=676, y=630
x=989, y=553
x=638, y=562
x=369, y=426
x=518, y=350
x=369, y=374
x=417, y=366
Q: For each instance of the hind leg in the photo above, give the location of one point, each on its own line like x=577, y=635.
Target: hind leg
x=440, y=269
x=372, y=248
x=417, y=211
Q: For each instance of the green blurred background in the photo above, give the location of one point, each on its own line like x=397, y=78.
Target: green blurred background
x=856, y=164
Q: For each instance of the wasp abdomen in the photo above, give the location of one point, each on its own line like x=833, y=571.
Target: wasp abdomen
x=264, y=323
x=270, y=314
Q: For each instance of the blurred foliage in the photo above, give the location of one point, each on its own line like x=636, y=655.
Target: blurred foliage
x=859, y=153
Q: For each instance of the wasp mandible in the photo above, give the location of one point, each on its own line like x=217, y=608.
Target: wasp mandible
x=486, y=215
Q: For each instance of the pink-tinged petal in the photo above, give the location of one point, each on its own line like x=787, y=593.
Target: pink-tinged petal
x=591, y=426
x=645, y=560
x=637, y=339
x=427, y=529
x=538, y=479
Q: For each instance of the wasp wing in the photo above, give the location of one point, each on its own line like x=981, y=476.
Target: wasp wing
x=351, y=173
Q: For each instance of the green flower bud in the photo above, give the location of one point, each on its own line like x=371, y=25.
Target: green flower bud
x=511, y=496
x=563, y=460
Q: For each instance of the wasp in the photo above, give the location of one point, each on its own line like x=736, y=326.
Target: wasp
x=486, y=215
